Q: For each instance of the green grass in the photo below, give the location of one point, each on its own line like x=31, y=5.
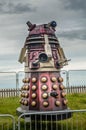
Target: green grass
x=9, y=105
x=75, y=101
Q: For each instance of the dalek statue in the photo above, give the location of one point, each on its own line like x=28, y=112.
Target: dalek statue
x=43, y=88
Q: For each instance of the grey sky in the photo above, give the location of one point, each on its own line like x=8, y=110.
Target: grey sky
x=70, y=16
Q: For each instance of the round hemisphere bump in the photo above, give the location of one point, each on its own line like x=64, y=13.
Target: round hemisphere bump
x=53, y=79
x=55, y=86
x=44, y=95
x=57, y=103
x=65, y=102
x=45, y=103
x=61, y=86
x=33, y=103
x=44, y=87
x=23, y=80
x=27, y=80
x=44, y=79
x=22, y=101
x=22, y=94
x=26, y=95
x=26, y=87
x=34, y=79
x=60, y=79
x=34, y=95
x=34, y=87
x=63, y=94
x=25, y=102
x=23, y=87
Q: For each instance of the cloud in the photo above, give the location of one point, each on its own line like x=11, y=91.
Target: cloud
x=75, y=4
x=73, y=34
x=15, y=8
x=78, y=6
x=68, y=14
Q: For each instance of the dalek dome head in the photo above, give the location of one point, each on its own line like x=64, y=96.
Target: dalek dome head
x=44, y=28
x=43, y=47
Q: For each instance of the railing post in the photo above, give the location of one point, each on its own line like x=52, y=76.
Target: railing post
x=67, y=81
x=10, y=117
x=17, y=84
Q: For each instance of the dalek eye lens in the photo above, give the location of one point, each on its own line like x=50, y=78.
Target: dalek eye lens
x=34, y=80
x=44, y=87
x=34, y=87
x=33, y=103
x=44, y=95
x=55, y=86
x=44, y=79
x=34, y=95
x=45, y=104
x=43, y=57
x=53, y=79
x=60, y=79
x=57, y=103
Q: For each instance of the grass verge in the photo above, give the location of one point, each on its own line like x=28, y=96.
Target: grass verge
x=75, y=102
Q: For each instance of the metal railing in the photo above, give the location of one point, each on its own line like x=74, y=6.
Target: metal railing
x=71, y=78
x=50, y=120
x=8, y=80
x=7, y=93
x=7, y=122
x=11, y=82
x=76, y=77
x=36, y=120
x=32, y=120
